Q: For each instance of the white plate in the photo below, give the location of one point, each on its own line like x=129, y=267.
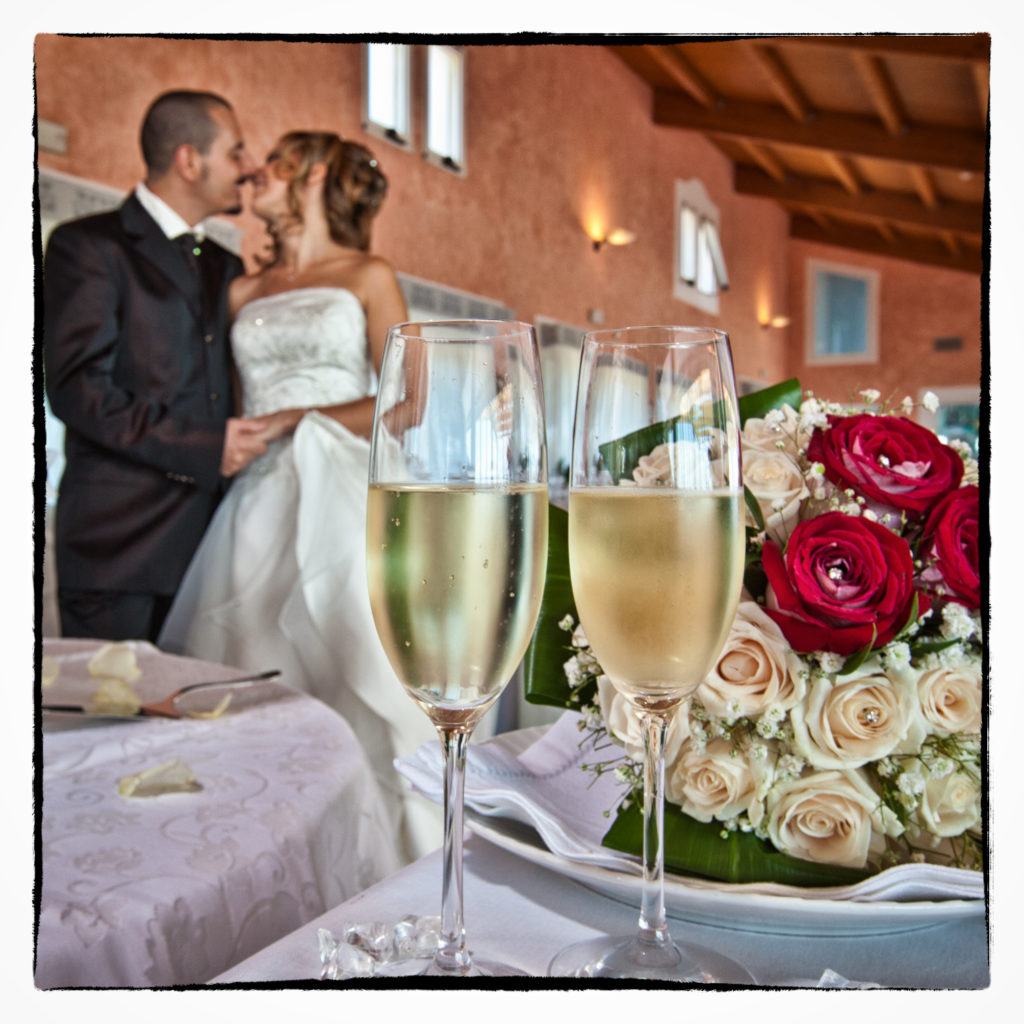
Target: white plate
x=733, y=906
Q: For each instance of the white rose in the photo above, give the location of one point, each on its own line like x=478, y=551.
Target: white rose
x=850, y=720
x=622, y=721
x=830, y=817
x=951, y=698
x=714, y=781
x=777, y=482
x=756, y=670
x=950, y=805
x=765, y=434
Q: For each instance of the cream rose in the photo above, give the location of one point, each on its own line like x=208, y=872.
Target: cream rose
x=950, y=698
x=950, y=805
x=777, y=482
x=850, y=720
x=622, y=722
x=782, y=425
x=715, y=781
x=830, y=817
x=691, y=462
x=756, y=670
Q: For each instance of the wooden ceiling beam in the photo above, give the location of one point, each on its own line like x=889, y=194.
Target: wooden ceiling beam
x=765, y=159
x=894, y=207
x=980, y=75
x=847, y=134
x=782, y=82
x=868, y=240
x=671, y=60
x=924, y=184
x=844, y=172
x=882, y=91
x=974, y=48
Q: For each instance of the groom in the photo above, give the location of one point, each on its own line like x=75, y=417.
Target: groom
x=139, y=369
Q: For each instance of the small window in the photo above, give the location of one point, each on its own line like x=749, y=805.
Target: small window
x=700, y=264
x=387, y=91
x=842, y=315
x=445, y=120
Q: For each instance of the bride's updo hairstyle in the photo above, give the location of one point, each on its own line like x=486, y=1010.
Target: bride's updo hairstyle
x=354, y=186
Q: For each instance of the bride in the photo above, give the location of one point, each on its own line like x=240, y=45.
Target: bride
x=279, y=580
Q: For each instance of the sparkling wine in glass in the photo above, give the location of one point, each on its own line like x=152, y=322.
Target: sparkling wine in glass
x=656, y=553
x=457, y=527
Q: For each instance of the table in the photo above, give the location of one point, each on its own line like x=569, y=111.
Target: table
x=524, y=914
x=175, y=889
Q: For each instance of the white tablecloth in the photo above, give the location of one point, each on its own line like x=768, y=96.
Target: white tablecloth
x=174, y=889
x=523, y=914
x=520, y=912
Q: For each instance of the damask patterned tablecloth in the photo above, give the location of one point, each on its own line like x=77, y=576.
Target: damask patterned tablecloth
x=176, y=888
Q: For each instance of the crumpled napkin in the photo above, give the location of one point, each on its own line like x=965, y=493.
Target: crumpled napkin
x=545, y=787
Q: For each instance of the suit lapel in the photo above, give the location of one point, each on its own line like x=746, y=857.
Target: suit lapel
x=157, y=249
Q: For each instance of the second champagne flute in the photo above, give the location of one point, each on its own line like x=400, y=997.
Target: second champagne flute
x=656, y=547
x=457, y=533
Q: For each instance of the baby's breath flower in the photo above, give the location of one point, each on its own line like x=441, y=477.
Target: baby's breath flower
x=829, y=661
x=886, y=767
x=930, y=401
x=911, y=783
x=790, y=766
x=870, y=396
x=907, y=405
x=566, y=623
x=940, y=767
x=774, y=418
x=956, y=622
x=897, y=654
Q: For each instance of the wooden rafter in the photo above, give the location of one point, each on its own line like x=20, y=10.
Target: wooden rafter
x=963, y=218
x=850, y=135
x=779, y=77
x=883, y=94
x=917, y=250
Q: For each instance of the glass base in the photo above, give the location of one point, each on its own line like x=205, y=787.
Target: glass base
x=628, y=957
x=428, y=968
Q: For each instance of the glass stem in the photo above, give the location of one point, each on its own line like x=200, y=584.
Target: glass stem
x=452, y=957
x=653, y=928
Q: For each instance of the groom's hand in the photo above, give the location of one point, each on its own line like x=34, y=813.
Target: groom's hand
x=242, y=444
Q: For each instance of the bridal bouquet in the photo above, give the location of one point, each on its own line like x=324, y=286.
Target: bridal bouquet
x=840, y=730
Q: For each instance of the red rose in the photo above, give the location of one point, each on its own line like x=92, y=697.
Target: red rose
x=844, y=582
x=950, y=544
x=890, y=460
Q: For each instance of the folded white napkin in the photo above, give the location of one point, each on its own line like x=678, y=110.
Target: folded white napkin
x=545, y=786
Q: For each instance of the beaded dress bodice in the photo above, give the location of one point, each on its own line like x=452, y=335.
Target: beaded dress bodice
x=301, y=348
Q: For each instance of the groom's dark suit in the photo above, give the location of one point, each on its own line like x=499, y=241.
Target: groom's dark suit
x=139, y=370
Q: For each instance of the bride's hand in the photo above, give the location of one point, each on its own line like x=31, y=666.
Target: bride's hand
x=278, y=424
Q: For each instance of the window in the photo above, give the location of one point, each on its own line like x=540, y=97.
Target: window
x=387, y=91
x=700, y=273
x=445, y=75
x=842, y=314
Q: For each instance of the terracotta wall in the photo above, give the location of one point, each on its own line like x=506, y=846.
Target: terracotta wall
x=554, y=134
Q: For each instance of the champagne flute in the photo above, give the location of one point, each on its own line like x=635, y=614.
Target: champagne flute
x=656, y=561
x=457, y=527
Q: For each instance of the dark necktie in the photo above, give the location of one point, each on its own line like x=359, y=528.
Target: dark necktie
x=190, y=249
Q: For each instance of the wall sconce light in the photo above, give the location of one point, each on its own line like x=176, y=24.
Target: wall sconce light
x=773, y=321
x=617, y=236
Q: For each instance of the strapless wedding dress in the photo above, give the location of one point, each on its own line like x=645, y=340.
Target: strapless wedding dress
x=279, y=580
